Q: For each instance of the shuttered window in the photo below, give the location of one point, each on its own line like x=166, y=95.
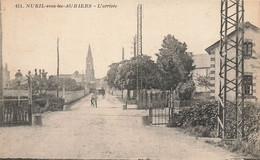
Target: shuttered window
x=248, y=48
x=248, y=85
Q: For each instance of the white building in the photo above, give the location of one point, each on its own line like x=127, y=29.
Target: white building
x=251, y=63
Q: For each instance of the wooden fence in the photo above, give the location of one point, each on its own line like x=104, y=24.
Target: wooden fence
x=149, y=99
x=15, y=112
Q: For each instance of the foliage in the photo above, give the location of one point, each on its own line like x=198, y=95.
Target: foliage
x=175, y=63
x=47, y=103
x=124, y=74
x=203, y=81
x=14, y=85
x=201, y=120
x=111, y=74
x=70, y=84
x=186, y=90
x=201, y=113
x=252, y=127
x=40, y=83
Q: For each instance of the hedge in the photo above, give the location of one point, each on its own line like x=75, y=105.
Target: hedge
x=201, y=119
x=47, y=103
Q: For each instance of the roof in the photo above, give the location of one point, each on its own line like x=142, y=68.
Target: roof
x=201, y=60
x=216, y=44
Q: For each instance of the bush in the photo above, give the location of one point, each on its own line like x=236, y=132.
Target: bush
x=47, y=103
x=251, y=142
x=201, y=120
x=202, y=115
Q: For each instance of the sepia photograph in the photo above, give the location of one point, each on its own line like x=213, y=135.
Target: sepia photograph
x=130, y=79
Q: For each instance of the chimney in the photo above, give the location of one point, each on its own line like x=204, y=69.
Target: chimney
x=123, y=54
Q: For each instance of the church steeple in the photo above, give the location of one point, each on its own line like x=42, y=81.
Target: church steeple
x=89, y=56
x=90, y=77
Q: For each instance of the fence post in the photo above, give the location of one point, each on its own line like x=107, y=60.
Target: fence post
x=146, y=99
x=150, y=115
x=1, y=110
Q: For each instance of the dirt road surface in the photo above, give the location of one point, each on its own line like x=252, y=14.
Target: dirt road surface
x=108, y=131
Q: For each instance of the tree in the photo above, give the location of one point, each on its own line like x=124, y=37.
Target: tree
x=186, y=90
x=111, y=75
x=175, y=63
x=40, y=84
x=203, y=81
x=69, y=83
x=128, y=70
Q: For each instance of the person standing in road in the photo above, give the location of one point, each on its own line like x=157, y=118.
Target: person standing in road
x=94, y=99
x=103, y=92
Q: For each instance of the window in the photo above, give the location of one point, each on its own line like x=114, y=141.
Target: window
x=248, y=85
x=248, y=48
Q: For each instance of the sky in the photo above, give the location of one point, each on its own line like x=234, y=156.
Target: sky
x=30, y=34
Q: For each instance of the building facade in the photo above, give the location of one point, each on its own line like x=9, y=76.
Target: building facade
x=202, y=67
x=90, y=74
x=79, y=78
x=251, y=49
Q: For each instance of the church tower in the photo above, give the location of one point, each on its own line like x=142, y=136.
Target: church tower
x=90, y=77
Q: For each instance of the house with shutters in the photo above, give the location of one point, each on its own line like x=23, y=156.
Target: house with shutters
x=251, y=79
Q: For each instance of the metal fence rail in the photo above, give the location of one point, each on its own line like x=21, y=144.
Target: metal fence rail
x=159, y=116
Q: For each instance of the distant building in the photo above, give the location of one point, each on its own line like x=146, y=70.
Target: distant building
x=90, y=75
x=251, y=48
x=6, y=77
x=202, y=66
x=79, y=78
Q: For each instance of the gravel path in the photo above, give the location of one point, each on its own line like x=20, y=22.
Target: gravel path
x=104, y=132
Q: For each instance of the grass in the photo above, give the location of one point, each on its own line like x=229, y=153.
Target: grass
x=237, y=146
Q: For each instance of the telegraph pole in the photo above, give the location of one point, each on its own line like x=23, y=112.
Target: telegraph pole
x=139, y=50
x=58, y=67
x=1, y=68
x=135, y=46
x=123, y=58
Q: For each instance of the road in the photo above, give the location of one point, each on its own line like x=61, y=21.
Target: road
x=86, y=132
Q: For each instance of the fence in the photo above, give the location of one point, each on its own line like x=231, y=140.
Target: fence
x=161, y=105
x=15, y=112
x=160, y=116
x=148, y=99
x=68, y=97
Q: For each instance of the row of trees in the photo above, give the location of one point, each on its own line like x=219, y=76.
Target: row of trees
x=41, y=84
x=171, y=71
